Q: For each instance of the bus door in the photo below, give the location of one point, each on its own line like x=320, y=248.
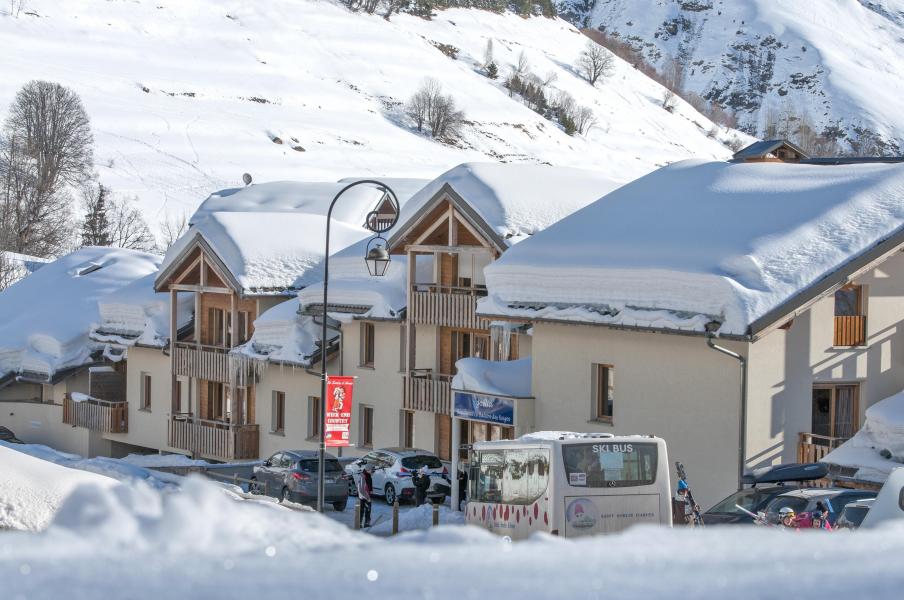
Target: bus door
x=611, y=486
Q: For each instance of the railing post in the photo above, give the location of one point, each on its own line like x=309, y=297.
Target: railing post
x=435, y=515
x=357, y=514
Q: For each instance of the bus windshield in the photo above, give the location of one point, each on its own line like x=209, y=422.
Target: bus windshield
x=610, y=464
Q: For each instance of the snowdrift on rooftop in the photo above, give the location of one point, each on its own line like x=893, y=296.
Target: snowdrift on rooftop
x=882, y=432
x=699, y=241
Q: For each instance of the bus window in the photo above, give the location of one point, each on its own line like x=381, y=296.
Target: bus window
x=489, y=479
x=514, y=483
x=537, y=474
x=610, y=464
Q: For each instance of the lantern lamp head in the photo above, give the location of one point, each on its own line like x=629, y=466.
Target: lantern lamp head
x=377, y=257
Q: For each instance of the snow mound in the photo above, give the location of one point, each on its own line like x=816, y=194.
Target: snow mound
x=420, y=518
x=496, y=378
x=151, y=461
x=878, y=447
x=282, y=335
x=32, y=490
x=698, y=241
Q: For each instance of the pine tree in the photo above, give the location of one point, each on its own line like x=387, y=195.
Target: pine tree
x=492, y=70
x=96, y=231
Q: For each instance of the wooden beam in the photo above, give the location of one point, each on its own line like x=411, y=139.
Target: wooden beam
x=422, y=249
x=174, y=328
x=473, y=231
x=453, y=231
x=436, y=225
x=409, y=321
x=187, y=269
x=200, y=288
x=203, y=270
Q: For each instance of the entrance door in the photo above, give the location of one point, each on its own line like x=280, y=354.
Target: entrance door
x=444, y=437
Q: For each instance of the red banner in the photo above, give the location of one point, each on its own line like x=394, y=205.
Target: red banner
x=338, y=410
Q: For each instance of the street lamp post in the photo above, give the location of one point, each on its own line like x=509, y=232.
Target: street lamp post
x=377, y=259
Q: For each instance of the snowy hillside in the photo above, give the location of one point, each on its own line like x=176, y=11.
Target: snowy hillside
x=186, y=95
x=837, y=62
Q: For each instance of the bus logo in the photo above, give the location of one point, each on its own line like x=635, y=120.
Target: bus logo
x=581, y=513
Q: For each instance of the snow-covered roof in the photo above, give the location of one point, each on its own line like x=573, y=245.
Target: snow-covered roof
x=50, y=313
x=882, y=433
x=699, y=241
x=21, y=265
x=282, y=335
x=136, y=314
x=515, y=200
x=494, y=377
x=763, y=148
x=270, y=237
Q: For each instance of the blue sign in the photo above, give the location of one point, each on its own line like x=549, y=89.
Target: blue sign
x=478, y=407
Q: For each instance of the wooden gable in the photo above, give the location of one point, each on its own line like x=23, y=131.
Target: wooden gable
x=196, y=270
x=444, y=224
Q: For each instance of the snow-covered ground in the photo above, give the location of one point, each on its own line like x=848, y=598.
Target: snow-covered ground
x=186, y=96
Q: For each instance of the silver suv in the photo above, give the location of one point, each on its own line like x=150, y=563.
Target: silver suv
x=292, y=475
x=393, y=469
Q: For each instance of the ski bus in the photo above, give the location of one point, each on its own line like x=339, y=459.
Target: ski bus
x=568, y=484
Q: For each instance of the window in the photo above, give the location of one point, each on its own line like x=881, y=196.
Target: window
x=406, y=429
x=835, y=412
x=313, y=417
x=177, y=400
x=145, y=391
x=366, y=437
x=850, y=322
x=244, y=319
x=278, y=413
x=605, y=464
x=216, y=326
x=216, y=401
x=516, y=476
x=367, y=345
x=603, y=397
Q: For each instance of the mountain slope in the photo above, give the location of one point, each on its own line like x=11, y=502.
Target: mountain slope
x=187, y=95
x=835, y=63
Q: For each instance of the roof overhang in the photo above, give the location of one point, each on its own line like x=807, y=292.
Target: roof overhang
x=197, y=241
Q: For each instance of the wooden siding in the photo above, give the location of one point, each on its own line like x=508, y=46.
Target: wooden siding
x=850, y=331
x=428, y=391
x=447, y=307
x=813, y=448
x=203, y=362
x=224, y=302
x=96, y=415
x=214, y=439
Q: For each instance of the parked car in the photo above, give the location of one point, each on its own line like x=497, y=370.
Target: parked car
x=393, y=469
x=767, y=484
x=853, y=513
x=8, y=436
x=805, y=499
x=291, y=475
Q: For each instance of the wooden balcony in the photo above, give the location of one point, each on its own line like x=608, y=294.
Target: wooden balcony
x=850, y=331
x=425, y=390
x=447, y=306
x=96, y=415
x=215, y=440
x=813, y=448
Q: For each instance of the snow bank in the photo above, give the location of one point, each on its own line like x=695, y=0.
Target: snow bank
x=496, y=378
x=51, y=312
x=418, y=518
x=206, y=542
x=151, y=461
x=31, y=489
x=699, y=241
x=518, y=200
x=878, y=447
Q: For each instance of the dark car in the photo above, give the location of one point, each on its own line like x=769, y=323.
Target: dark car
x=292, y=475
x=768, y=483
x=9, y=437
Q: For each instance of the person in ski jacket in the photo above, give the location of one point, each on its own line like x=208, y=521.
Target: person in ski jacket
x=365, y=485
x=421, y=481
x=462, y=484
x=683, y=505
x=787, y=517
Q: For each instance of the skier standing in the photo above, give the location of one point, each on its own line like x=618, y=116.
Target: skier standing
x=365, y=487
x=685, y=508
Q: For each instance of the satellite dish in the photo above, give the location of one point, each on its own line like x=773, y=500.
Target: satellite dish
x=246, y=177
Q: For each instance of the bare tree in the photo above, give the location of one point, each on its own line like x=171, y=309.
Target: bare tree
x=584, y=119
x=672, y=74
x=668, y=100
x=7, y=271
x=16, y=7
x=172, y=229
x=488, y=54
x=128, y=228
x=430, y=107
x=522, y=66
x=595, y=62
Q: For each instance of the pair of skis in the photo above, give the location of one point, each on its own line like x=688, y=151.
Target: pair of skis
x=682, y=476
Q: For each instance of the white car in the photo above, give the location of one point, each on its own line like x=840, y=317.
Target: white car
x=393, y=469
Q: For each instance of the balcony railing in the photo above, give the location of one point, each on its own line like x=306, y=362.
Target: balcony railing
x=812, y=447
x=425, y=390
x=213, y=439
x=447, y=306
x=96, y=415
x=850, y=331
x=204, y=362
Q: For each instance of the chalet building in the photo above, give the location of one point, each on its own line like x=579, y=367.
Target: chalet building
x=748, y=312
x=59, y=384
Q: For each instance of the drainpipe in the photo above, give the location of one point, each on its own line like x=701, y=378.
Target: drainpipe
x=742, y=417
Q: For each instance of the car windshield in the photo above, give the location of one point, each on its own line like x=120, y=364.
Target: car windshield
x=421, y=460
x=330, y=466
x=798, y=505
x=751, y=500
x=852, y=516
